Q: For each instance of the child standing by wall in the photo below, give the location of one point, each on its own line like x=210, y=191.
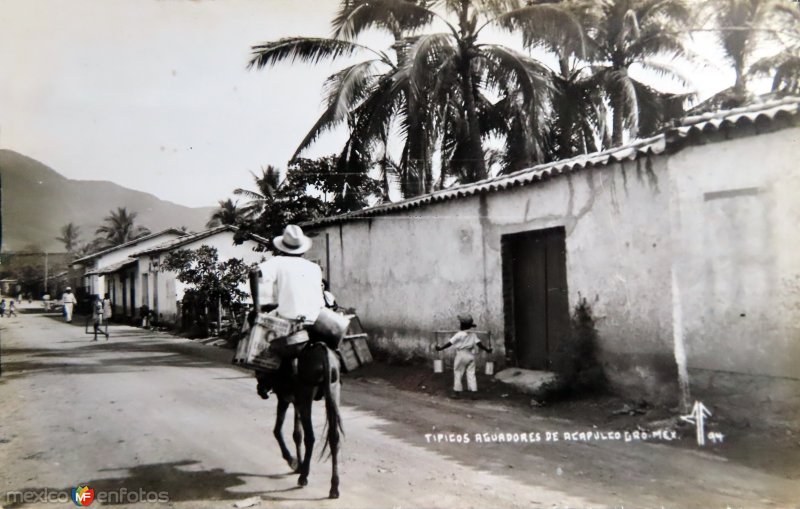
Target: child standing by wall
x=465, y=342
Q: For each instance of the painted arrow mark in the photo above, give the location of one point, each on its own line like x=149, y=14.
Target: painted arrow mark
x=698, y=418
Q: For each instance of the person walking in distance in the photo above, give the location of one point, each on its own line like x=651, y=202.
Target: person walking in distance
x=465, y=342
x=68, y=300
x=12, y=309
x=2, y=308
x=97, y=317
x=107, y=308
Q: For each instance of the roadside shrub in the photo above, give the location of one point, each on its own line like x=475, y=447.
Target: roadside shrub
x=578, y=369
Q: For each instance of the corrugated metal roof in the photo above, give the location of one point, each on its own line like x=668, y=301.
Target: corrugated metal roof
x=768, y=111
x=111, y=268
x=127, y=244
x=188, y=239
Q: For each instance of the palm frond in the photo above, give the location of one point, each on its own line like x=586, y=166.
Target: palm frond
x=430, y=52
x=395, y=16
x=548, y=26
x=509, y=65
x=346, y=89
x=251, y=195
x=305, y=49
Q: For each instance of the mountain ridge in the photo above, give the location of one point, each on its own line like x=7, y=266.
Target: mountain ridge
x=37, y=201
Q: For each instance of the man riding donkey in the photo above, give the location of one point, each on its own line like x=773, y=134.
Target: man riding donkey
x=292, y=346
x=286, y=286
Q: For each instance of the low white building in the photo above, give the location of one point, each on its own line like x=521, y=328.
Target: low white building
x=160, y=290
x=97, y=266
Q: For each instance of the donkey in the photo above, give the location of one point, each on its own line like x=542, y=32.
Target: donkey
x=318, y=376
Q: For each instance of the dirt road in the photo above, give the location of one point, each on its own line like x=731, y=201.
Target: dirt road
x=148, y=411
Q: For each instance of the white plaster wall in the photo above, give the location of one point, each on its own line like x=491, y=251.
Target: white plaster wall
x=736, y=212
x=409, y=274
x=627, y=225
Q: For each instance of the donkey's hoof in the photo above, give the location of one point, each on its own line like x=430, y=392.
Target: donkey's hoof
x=334, y=493
x=302, y=481
x=294, y=465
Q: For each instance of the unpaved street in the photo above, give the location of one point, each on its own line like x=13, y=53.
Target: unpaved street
x=150, y=411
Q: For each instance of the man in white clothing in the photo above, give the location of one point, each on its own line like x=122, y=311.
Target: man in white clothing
x=289, y=285
x=68, y=300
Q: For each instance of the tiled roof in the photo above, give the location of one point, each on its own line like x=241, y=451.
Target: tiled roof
x=704, y=124
x=111, y=268
x=188, y=239
x=766, y=112
x=127, y=244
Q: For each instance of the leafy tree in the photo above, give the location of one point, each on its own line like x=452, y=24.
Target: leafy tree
x=212, y=282
x=312, y=189
x=228, y=213
x=119, y=227
x=70, y=233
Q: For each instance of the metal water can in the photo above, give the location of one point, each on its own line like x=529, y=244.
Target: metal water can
x=438, y=366
x=330, y=326
x=489, y=368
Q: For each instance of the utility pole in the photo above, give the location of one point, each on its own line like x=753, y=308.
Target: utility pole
x=45, y=272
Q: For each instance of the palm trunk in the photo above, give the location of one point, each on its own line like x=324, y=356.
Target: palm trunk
x=740, y=87
x=476, y=163
x=616, y=135
x=565, y=136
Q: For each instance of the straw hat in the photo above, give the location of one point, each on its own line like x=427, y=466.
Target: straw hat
x=466, y=321
x=293, y=240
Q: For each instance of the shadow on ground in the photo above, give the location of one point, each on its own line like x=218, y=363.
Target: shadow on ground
x=179, y=481
x=148, y=351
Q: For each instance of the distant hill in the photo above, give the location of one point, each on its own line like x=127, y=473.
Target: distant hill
x=37, y=201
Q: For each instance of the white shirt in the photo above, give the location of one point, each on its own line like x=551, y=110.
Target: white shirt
x=294, y=284
x=465, y=340
x=68, y=298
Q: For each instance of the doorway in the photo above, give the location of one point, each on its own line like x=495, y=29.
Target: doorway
x=535, y=295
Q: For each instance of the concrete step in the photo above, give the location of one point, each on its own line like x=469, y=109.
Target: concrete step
x=526, y=381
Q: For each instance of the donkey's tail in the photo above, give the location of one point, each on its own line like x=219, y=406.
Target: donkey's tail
x=331, y=385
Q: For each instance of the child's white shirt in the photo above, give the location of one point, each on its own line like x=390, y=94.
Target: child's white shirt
x=465, y=340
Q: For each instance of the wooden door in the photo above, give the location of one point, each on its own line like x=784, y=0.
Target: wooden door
x=536, y=295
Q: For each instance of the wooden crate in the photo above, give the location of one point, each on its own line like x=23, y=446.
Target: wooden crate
x=349, y=355
x=359, y=342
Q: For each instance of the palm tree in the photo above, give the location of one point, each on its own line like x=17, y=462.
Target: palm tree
x=267, y=185
x=365, y=95
x=119, y=227
x=69, y=236
x=742, y=25
x=228, y=213
x=462, y=90
x=436, y=88
x=628, y=32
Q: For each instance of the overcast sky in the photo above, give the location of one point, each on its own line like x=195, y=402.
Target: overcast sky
x=154, y=94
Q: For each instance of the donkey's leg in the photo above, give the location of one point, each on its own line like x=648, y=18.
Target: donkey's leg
x=303, y=404
x=283, y=405
x=297, y=436
x=332, y=411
